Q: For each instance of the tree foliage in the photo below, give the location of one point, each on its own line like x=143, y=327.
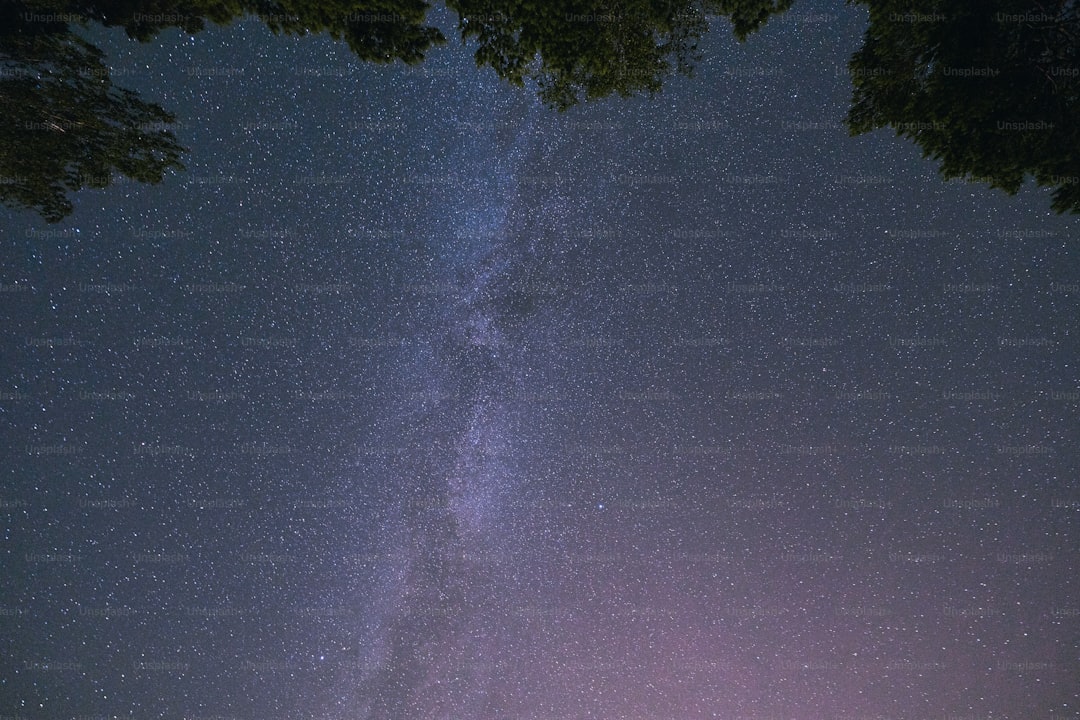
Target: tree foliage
x=65, y=126
x=747, y=16
x=987, y=88
x=577, y=51
x=376, y=30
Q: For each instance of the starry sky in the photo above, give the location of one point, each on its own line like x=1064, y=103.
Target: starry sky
x=413, y=399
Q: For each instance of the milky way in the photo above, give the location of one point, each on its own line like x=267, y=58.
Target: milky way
x=463, y=489
x=412, y=399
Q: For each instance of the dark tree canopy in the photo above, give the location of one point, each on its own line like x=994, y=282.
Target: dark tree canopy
x=376, y=30
x=988, y=88
x=582, y=50
x=576, y=50
x=747, y=16
x=65, y=126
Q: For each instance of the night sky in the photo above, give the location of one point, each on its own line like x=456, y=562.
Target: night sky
x=413, y=399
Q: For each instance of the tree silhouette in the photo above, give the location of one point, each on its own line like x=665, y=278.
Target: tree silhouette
x=376, y=30
x=577, y=51
x=747, y=16
x=65, y=126
x=988, y=88
x=574, y=50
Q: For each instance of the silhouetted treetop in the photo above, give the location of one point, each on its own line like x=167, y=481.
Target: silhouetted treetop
x=747, y=16
x=988, y=88
x=578, y=51
x=376, y=30
x=65, y=126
